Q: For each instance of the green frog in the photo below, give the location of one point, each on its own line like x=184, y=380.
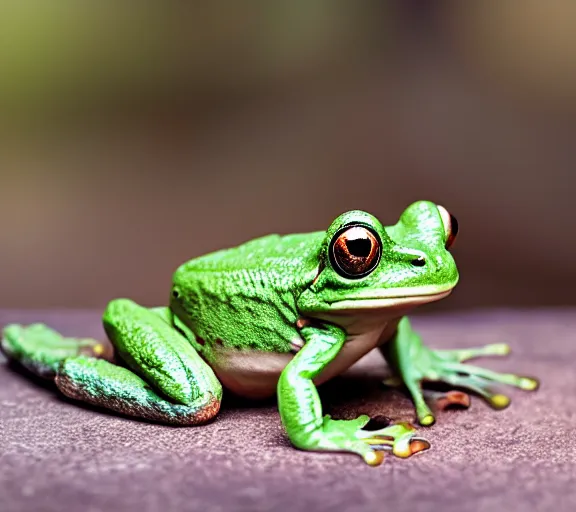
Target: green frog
x=279, y=314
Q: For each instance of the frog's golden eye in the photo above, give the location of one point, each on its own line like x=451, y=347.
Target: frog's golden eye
x=450, y=226
x=355, y=251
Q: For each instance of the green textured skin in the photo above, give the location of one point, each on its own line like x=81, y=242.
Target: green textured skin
x=419, y=233
x=259, y=298
x=301, y=411
x=157, y=352
x=245, y=297
x=99, y=382
x=41, y=349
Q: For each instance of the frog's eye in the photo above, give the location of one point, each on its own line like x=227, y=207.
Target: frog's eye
x=450, y=226
x=355, y=251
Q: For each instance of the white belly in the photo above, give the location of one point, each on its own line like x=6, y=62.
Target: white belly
x=255, y=374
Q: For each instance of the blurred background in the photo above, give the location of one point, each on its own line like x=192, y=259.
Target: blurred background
x=134, y=137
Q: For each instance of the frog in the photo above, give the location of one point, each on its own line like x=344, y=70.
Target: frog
x=280, y=315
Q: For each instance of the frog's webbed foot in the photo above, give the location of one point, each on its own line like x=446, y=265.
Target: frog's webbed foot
x=348, y=435
x=415, y=363
x=400, y=439
x=480, y=381
x=41, y=349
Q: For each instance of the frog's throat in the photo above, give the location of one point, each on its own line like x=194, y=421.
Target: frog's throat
x=392, y=297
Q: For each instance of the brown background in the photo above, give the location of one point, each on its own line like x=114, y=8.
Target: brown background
x=131, y=142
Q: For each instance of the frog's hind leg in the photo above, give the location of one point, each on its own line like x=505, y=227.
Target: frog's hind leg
x=104, y=384
x=167, y=381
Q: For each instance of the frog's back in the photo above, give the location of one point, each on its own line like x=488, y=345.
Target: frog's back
x=266, y=252
x=245, y=297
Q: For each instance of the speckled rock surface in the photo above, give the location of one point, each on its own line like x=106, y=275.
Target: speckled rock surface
x=56, y=455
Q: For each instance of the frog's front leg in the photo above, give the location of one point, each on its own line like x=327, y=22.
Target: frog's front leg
x=414, y=363
x=167, y=381
x=301, y=410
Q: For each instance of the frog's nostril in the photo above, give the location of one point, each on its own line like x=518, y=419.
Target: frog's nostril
x=419, y=262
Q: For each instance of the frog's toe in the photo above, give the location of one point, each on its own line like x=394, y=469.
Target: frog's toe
x=399, y=439
x=373, y=458
x=41, y=349
x=371, y=445
x=477, y=385
x=461, y=355
x=402, y=450
x=499, y=401
x=528, y=383
x=497, y=349
x=484, y=375
x=393, y=381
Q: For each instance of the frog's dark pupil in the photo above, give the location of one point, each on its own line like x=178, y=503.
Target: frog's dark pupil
x=359, y=247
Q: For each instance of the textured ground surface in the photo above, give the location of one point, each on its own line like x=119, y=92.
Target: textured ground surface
x=56, y=455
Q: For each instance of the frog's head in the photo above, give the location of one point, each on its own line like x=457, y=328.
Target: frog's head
x=365, y=266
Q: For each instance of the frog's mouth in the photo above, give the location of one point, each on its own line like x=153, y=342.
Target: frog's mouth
x=392, y=298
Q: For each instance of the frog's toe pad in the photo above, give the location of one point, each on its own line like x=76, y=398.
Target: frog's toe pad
x=499, y=401
x=528, y=383
x=427, y=420
x=374, y=458
x=498, y=349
